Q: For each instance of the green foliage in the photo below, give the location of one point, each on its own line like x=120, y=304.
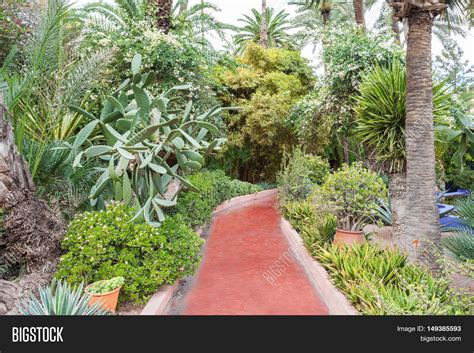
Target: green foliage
x=106, y=286
x=52, y=77
x=145, y=143
x=460, y=178
x=461, y=135
x=60, y=298
x=349, y=52
x=299, y=173
x=104, y=244
x=381, y=282
x=313, y=225
x=351, y=194
x=265, y=86
x=310, y=124
x=380, y=113
x=214, y=187
x=177, y=58
x=277, y=25
x=460, y=246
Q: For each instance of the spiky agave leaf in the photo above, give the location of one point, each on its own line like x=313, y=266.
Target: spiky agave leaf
x=60, y=298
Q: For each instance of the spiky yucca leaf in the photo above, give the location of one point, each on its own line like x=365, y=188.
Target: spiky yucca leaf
x=380, y=113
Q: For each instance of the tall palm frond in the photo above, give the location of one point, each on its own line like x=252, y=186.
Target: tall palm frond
x=278, y=24
x=200, y=21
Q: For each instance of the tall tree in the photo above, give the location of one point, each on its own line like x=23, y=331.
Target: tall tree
x=163, y=15
x=277, y=25
x=359, y=13
x=422, y=233
x=264, y=26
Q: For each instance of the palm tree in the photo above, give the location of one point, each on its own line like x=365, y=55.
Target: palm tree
x=113, y=17
x=359, y=13
x=380, y=127
x=444, y=27
x=422, y=233
x=199, y=21
x=277, y=25
x=263, y=26
x=309, y=21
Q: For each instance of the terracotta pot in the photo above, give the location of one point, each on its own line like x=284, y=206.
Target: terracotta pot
x=348, y=237
x=108, y=300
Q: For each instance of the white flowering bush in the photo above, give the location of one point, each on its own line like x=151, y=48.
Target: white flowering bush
x=175, y=59
x=104, y=244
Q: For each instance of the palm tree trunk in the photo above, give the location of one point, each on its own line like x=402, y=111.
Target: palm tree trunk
x=163, y=15
x=31, y=231
x=397, y=191
x=422, y=233
x=264, y=26
x=326, y=13
x=359, y=13
x=396, y=29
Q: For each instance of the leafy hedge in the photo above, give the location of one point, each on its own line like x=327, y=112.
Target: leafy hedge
x=105, y=244
x=214, y=188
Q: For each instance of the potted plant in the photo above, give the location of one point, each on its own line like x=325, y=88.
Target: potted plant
x=351, y=194
x=105, y=292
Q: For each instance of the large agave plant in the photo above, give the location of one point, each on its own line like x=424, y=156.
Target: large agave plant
x=60, y=299
x=143, y=143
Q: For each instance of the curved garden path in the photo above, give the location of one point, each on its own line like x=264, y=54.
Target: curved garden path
x=248, y=268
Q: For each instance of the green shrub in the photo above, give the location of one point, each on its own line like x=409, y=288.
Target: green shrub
x=104, y=244
x=314, y=226
x=299, y=173
x=380, y=282
x=351, y=194
x=214, y=187
x=265, y=85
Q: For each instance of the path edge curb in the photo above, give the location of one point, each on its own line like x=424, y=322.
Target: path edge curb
x=336, y=302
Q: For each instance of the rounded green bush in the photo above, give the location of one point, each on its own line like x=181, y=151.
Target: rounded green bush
x=105, y=244
x=351, y=194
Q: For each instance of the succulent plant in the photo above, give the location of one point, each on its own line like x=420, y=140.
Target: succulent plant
x=146, y=141
x=105, y=286
x=60, y=299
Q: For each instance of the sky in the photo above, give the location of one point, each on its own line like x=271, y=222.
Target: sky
x=232, y=10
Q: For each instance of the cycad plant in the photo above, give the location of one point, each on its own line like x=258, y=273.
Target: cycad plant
x=60, y=299
x=461, y=244
x=278, y=25
x=54, y=76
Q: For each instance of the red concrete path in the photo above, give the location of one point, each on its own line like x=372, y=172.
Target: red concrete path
x=235, y=278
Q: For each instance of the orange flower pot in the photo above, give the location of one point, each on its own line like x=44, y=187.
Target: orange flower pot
x=108, y=300
x=348, y=237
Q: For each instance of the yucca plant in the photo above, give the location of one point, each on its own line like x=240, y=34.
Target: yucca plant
x=144, y=142
x=380, y=113
x=60, y=298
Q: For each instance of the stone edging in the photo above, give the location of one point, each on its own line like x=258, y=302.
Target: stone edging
x=335, y=301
